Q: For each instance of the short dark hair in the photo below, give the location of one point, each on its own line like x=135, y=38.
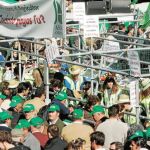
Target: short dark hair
x=5, y=136
x=113, y=110
x=121, y=26
x=118, y=145
x=53, y=130
x=97, y=137
x=76, y=144
x=39, y=91
x=56, y=83
x=21, y=87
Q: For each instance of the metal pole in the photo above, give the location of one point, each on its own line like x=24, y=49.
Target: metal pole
x=92, y=73
x=19, y=56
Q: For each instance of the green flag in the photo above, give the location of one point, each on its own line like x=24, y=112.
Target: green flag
x=134, y=1
x=146, y=18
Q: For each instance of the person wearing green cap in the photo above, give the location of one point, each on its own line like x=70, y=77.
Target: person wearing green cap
x=39, y=99
x=16, y=109
x=29, y=139
x=37, y=127
x=77, y=129
x=60, y=100
x=138, y=141
x=54, y=116
x=113, y=127
x=5, y=121
x=98, y=114
x=29, y=111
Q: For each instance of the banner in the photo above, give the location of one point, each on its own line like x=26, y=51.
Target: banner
x=134, y=63
x=91, y=26
x=36, y=18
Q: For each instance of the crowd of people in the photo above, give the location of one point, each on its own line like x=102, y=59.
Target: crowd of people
x=75, y=118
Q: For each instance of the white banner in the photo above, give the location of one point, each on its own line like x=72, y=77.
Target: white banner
x=134, y=63
x=36, y=18
x=79, y=12
x=91, y=26
x=110, y=46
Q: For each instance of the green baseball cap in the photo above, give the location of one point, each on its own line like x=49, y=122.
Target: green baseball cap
x=61, y=96
x=78, y=113
x=36, y=121
x=53, y=108
x=97, y=109
x=2, y=96
x=23, y=123
x=138, y=133
x=5, y=115
x=28, y=108
x=15, y=101
x=147, y=133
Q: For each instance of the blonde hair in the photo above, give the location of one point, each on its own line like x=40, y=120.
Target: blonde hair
x=38, y=78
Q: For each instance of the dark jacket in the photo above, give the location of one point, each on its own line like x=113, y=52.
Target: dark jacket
x=56, y=144
x=60, y=125
x=19, y=146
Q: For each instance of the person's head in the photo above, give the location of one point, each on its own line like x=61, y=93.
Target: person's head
x=77, y=144
x=113, y=111
x=97, y=112
x=122, y=27
x=24, y=125
x=116, y=146
x=109, y=83
x=17, y=135
x=22, y=89
x=124, y=102
x=40, y=93
x=16, y=103
x=78, y=114
x=141, y=30
x=56, y=85
x=59, y=76
x=28, y=88
x=5, y=138
x=53, y=131
x=8, y=66
x=37, y=124
x=133, y=128
x=62, y=97
x=75, y=71
x=92, y=100
x=4, y=88
x=5, y=118
x=137, y=140
x=37, y=75
x=29, y=111
x=53, y=112
x=97, y=139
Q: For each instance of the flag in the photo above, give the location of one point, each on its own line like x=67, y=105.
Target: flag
x=146, y=18
x=134, y=1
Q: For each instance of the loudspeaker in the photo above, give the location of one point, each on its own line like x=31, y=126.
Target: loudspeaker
x=120, y=6
x=95, y=7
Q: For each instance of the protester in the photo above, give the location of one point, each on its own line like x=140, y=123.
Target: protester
x=55, y=142
x=53, y=115
x=5, y=121
x=29, y=139
x=77, y=129
x=37, y=127
x=113, y=128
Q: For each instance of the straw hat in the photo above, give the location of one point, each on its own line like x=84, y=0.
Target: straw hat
x=145, y=84
x=123, y=98
x=13, y=84
x=75, y=70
